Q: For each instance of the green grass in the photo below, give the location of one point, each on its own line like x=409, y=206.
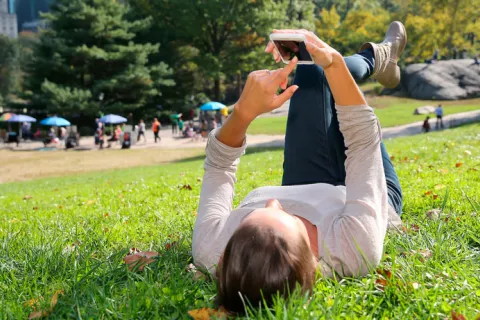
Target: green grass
x=73, y=232
x=390, y=110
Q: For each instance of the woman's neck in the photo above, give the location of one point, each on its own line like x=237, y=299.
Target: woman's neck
x=312, y=235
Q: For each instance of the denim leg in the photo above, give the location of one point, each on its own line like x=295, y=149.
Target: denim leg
x=314, y=146
x=395, y=197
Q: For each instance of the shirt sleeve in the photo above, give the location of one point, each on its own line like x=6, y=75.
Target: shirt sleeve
x=354, y=242
x=216, y=200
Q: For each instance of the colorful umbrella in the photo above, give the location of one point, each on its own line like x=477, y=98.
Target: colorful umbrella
x=21, y=118
x=55, y=122
x=212, y=105
x=113, y=118
x=6, y=116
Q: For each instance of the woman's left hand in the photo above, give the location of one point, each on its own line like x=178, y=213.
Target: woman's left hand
x=260, y=93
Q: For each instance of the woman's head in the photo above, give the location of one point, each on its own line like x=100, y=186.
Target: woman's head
x=269, y=253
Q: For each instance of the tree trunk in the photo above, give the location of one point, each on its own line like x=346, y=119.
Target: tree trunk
x=217, y=89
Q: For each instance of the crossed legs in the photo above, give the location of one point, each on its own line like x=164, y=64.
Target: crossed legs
x=314, y=146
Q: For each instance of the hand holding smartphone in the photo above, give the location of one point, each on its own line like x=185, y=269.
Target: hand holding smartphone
x=290, y=45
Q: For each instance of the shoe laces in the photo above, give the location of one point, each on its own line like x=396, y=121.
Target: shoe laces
x=383, y=57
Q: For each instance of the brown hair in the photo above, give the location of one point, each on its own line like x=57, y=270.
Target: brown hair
x=258, y=263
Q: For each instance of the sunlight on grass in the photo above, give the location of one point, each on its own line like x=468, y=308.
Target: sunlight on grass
x=391, y=111
x=71, y=234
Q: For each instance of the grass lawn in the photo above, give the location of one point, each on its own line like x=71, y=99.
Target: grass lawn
x=391, y=111
x=71, y=234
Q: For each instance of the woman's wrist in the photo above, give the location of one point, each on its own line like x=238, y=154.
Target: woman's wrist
x=242, y=115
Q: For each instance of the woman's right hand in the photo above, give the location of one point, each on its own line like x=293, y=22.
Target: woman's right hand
x=260, y=92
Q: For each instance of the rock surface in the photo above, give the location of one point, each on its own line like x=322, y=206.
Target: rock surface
x=443, y=80
x=424, y=110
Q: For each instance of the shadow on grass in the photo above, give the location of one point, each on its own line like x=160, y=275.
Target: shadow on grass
x=258, y=148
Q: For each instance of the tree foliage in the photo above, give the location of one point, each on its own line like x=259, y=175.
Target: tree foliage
x=89, y=51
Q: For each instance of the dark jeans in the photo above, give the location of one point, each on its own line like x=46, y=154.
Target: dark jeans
x=314, y=145
x=156, y=135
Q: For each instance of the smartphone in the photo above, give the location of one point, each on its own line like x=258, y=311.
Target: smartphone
x=290, y=45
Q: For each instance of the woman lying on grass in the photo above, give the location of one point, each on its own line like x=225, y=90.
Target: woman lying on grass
x=338, y=191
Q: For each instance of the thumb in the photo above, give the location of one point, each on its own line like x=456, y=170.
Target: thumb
x=281, y=99
x=321, y=56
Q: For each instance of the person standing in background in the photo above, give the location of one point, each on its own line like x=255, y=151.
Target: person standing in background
x=439, y=114
x=174, y=119
x=426, y=125
x=180, y=125
x=141, y=131
x=156, y=129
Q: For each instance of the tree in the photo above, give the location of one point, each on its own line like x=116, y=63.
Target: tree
x=88, y=60
x=9, y=66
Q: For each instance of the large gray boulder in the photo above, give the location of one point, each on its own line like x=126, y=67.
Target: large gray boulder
x=443, y=80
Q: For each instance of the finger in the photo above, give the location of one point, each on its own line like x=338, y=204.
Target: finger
x=283, y=85
x=287, y=70
x=321, y=56
x=270, y=47
x=281, y=99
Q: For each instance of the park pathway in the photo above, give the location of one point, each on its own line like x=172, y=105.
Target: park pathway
x=170, y=141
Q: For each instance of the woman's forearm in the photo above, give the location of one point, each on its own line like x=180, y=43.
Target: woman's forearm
x=233, y=132
x=344, y=89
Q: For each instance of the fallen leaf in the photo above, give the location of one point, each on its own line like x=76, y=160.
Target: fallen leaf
x=458, y=164
x=392, y=158
x=133, y=250
x=405, y=159
x=458, y=316
x=33, y=302
x=186, y=187
x=427, y=193
x=199, y=179
x=89, y=202
x=169, y=245
x=472, y=169
x=439, y=187
x=433, y=214
x=416, y=157
x=415, y=227
x=194, y=213
x=435, y=196
x=36, y=314
x=381, y=284
x=207, y=313
x=467, y=152
x=35, y=208
x=105, y=215
x=197, y=274
x=139, y=260
x=60, y=207
x=387, y=274
x=444, y=171
x=27, y=197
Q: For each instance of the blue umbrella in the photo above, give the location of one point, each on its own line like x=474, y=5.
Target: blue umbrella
x=55, y=122
x=21, y=118
x=212, y=105
x=112, y=118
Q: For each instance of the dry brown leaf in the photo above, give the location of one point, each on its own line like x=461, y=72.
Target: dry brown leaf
x=133, y=250
x=169, y=245
x=37, y=315
x=415, y=227
x=435, y=196
x=405, y=159
x=387, y=274
x=35, y=208
x=199, y=179
x=458, y=164
x=381, y=284
x=392, y=158
x=433, y=214
x=105, y=215
x=27, y=197
x=416, y=157
x=139, y=260
x=439, y=187
x=207, y=313
x=458, y=316
x=427, y=193
x=186, y=187
x=194, y=213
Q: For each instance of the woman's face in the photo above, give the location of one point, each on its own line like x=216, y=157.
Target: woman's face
x=275, y=217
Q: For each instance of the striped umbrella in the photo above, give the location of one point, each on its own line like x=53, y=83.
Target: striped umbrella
x=6, y=116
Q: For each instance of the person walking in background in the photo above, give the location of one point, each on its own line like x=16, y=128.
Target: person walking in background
x=180, y=125
x=156, y=129
x=141, y=131
x=174, y=118
x=426, y=125
x=439, y=114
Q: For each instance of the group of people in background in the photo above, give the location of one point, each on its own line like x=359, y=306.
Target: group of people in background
x=439, y=124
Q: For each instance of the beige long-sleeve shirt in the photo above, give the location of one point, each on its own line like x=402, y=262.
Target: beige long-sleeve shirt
x=351, y=220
